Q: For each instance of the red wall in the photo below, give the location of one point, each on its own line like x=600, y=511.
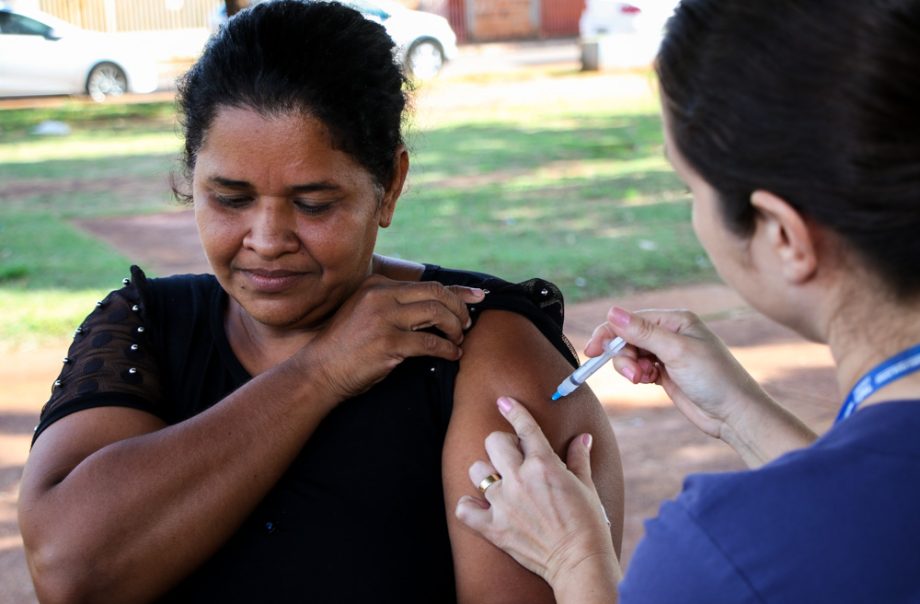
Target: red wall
x=560, y=17
x=509, y=19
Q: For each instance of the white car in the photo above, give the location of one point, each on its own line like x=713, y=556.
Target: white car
x=425, y=41
x=631, y=32
x=43, y=55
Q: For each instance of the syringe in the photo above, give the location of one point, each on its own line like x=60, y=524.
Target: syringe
x=580, y=375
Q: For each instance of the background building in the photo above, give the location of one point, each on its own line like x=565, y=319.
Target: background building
x=473, y=20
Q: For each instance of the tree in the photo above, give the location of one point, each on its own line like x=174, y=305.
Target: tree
x=234, y=6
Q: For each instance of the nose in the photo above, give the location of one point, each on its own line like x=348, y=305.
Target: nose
x=272, y=232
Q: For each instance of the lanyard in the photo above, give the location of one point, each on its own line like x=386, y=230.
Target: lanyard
x=902, y=364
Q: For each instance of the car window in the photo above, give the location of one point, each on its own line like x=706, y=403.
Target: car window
x=368, y=9
x=17, y=24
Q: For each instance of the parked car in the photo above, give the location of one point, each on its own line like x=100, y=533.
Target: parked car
x=425, y=41
x=43, y=55
x=630, y=31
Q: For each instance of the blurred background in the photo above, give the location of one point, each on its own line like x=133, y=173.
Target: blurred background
x=536, y=151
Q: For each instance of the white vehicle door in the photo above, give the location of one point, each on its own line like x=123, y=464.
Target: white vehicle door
x=32, y=59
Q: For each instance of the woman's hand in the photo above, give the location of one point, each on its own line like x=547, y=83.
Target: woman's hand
x=675, y=349
x=385, y=322
x=544, y=514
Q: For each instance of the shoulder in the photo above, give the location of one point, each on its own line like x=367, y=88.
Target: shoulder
x=709, y=544
x=537, y=300
x=516, y=348
x=677, y=561
x=121, y=351
x=777, y=530
x=535, y=292
x=173, y=288
x=113, y=359
x=177, y=300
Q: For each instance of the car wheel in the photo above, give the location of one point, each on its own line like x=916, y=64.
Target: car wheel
x=106, y=80
x=425, y=59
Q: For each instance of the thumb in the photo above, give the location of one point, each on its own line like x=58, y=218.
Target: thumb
x=642, y=333
x=474, y=513
x=469, y=295
x=578, y=458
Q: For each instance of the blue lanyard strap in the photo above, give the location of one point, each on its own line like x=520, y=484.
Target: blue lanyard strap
x=902, y=364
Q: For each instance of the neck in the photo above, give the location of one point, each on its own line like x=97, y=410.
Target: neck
x=260, y=347
x=867, y=331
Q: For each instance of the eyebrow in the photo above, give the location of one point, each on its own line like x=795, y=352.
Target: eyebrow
x=311, y=187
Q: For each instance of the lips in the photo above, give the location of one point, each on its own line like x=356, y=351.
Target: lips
x=271, y=281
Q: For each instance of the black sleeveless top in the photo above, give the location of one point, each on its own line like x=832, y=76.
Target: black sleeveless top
x=360, y=515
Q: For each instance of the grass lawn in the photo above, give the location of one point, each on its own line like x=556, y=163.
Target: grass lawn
x=578, y=193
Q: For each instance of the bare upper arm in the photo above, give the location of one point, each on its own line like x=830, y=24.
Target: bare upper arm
x=67, y=442
x=505, y=354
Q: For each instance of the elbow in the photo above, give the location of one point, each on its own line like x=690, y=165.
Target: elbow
x=64, y=567
x=58, y=577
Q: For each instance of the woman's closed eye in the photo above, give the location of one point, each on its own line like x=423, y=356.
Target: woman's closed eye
x=238, y=201
x=313, y=208
x=232, y=201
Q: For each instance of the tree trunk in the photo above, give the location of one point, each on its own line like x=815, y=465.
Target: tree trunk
x=234, y=6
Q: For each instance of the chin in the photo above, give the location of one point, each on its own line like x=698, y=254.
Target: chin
x=283, y=316
x=278, y=319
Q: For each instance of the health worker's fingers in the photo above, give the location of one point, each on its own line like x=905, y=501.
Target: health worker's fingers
x=505, y=453
x=602, y=334
x=578, y=458
x=475, y=513
x=648, y=371
x=478, y=470
x=653, y=332
x=624, y=362
x=532, y=440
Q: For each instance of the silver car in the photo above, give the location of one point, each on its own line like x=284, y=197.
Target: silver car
x=425, y=42
x=43, y=55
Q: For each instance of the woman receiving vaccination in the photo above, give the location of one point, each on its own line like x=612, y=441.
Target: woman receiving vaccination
x=296, y=426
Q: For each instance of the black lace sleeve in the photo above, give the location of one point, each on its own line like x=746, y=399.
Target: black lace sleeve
x=111, y=362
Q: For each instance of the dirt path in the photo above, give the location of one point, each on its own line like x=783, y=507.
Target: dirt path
x=659, y=448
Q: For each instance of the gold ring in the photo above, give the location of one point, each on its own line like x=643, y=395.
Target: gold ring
x=488, y=481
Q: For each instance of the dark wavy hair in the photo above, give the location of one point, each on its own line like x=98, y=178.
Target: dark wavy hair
x=817, y=101
x=320, y=58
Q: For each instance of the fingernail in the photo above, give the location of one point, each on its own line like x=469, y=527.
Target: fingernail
x=630, y=374
x=481, y=293
x=587, y=440
x=469, y=323
x=620, y=317
x=504, y=404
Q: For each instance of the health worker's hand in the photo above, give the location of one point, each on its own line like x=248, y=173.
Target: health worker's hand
x=676, y=350
x=547, y=516
x=385, y=322
x=673, y=348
